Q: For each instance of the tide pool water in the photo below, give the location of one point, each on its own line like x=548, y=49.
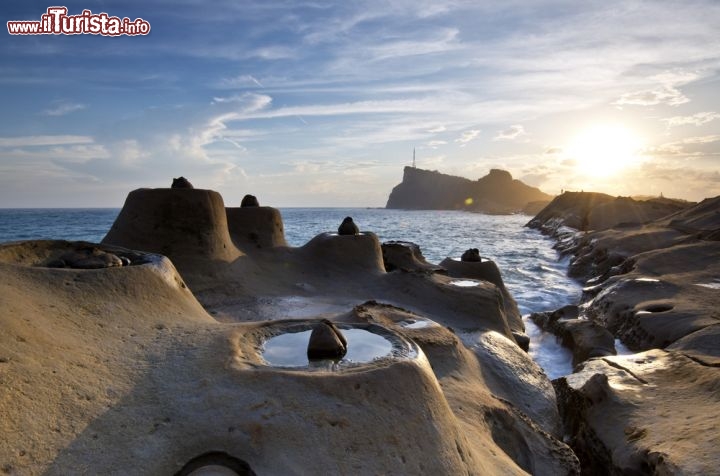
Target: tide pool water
x=531, y=269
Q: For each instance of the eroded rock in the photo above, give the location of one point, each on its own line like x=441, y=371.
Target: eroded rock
x=326, y=342
x=348, y=227
x=471, y=255
x=249, y=201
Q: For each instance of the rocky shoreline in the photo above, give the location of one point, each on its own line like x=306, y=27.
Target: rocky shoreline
x=652, y=278
x=149, y=353
x=155, y=361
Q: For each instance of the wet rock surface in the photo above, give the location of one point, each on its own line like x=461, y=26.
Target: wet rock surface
x=643, y=414
x=653, y=284
x=586, y=339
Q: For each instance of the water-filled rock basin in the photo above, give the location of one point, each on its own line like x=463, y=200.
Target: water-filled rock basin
x=365, y=345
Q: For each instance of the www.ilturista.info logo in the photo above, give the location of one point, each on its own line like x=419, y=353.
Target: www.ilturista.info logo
x=57, y=22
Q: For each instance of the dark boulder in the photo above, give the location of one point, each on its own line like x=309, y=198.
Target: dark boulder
x=348, y=227
x=472, y=255
x=326, y=342
x=181, y=182
x=249, y=201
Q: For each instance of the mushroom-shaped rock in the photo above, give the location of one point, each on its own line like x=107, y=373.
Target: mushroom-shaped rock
x=326, y=342
x=181, y=182
x=348, y=227
x=472, y=254
x=249, y=201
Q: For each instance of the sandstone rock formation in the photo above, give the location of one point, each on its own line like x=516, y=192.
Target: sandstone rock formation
x=406, y=256
x=585, y=211
x=654, y=285
x=255, y=227
x=186, y=224
x=124, y=370
x=495, y=193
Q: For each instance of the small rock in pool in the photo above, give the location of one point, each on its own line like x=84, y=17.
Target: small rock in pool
x=326, y=342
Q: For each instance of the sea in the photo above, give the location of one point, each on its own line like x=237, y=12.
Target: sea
x=533, y=271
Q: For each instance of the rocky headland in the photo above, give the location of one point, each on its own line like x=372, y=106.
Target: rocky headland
x=179, y=345
x=496, y=193
x=651, y=270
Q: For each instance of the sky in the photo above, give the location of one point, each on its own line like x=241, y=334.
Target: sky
x=321, y=103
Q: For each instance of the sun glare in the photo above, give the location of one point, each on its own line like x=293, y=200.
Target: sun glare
x=604, y=150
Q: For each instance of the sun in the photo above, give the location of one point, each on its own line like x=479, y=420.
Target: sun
x=604, y=150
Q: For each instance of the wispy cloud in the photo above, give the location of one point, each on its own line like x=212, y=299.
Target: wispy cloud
x=33, y=141
x=434, y=144
x=696, y=119
x=668, y=95
x=249, y=102
x=680, y=147
x=240, y=81
x=666, y=92
x=511, y=133
x=61, y=108
x=468, y=136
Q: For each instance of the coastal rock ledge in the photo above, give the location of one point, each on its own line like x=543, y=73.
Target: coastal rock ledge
x=652, y=280
x=192, y=356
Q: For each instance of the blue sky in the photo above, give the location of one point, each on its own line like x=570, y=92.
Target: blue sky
x=321, y=103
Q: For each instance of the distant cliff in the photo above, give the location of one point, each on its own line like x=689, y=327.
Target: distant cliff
x=497, y=193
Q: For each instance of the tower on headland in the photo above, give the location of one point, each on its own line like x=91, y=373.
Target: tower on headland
x=413, y=157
